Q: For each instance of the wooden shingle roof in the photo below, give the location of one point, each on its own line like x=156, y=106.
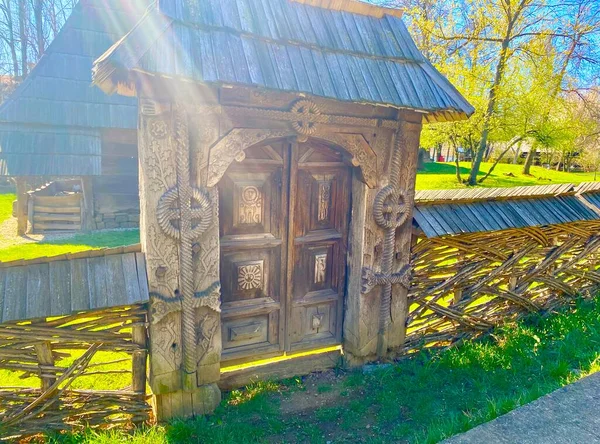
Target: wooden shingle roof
x=284, y=45
x=451, y=212
x=51, y=124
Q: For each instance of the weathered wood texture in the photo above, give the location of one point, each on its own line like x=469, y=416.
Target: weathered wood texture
x=56, y=213
x=281, y=370
x=22, y=205
x=65, y=350
x=87, y=204
x=180, y=230
x=54, y=122
x=62, y=285
x=498, y=277
x=449, y=212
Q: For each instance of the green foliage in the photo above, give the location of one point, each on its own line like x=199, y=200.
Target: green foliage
x=422, y=400
x=521, y=65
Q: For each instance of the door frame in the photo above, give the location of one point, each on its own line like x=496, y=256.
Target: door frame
x=364, y=176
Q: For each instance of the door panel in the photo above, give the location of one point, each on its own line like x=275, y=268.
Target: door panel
x=284, y=222
x=320, y=225
x=252, y=212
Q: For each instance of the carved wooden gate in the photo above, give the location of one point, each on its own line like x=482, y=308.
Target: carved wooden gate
x=284, y=214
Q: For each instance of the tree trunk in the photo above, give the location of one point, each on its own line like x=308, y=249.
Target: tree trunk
x=497, y=161
x=517, y=153
x=10, y=36
x=529, y=161
x=23, y=36
x=491, y=108
x=39, y=27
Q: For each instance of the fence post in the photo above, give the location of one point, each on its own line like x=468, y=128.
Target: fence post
x=138, y=359
x=46, y=359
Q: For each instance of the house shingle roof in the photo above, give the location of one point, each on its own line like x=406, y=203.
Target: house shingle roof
x=286, y=45
x=51, y=125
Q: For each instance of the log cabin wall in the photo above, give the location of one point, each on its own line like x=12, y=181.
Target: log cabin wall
x=116, y=199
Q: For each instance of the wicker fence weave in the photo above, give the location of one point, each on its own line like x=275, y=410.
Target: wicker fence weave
x=51, y=350
x=467, y=284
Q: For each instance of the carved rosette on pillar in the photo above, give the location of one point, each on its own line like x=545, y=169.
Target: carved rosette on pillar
x=179, y=220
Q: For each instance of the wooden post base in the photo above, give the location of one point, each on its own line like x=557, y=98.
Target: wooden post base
x=182, y=404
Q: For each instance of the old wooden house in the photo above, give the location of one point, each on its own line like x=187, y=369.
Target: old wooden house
x=55, y=128
x=278, y=143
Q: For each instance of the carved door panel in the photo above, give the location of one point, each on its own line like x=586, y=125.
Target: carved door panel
x=284, y=213
x=320, y=202
x=253, y=209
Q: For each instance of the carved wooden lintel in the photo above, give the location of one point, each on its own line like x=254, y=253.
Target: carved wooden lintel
x=305, y=116
x=232, y=146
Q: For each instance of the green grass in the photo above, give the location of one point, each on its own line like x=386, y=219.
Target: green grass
x=443, y=176
x=74, y=244
x=420, y=400
x=6, y=201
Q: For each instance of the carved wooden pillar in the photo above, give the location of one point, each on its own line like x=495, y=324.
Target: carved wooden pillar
x=408, y=138
x=392, y=214
x=179, y=234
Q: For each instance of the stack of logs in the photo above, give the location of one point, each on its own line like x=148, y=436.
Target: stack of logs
x=58, y=351
x=466, y=284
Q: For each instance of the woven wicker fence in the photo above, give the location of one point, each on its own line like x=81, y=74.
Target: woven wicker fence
x=59, y=360
x=466, y=284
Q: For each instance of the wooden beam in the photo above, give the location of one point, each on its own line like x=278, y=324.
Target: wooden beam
x=87, y=204
x=22, y=198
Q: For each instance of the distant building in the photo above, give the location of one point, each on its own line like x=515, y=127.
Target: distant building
x=56, y=126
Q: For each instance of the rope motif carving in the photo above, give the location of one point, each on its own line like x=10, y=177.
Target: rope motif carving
x=372, y=279
x=390, y=211
x=305, y=112
x=390, y=208
x=162, y=306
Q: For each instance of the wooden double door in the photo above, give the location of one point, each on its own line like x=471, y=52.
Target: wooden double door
x=284, y=216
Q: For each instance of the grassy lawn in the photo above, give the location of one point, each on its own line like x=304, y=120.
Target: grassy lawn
x=6, y=201
x=423, y=399
x=443, y=176
x=74, y=244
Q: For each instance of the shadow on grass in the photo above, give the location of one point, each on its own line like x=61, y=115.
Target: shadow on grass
x=442, y=168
